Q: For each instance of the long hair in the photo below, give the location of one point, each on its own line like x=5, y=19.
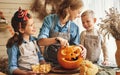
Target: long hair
x=19, y=20
x=66, y=4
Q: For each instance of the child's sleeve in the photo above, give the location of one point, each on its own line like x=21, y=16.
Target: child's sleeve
x=40, y=56
x=12, y=56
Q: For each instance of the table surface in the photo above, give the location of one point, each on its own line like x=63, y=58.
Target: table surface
x=2, y=73
x=73, y=72
x=60, y=74
x=57, y=70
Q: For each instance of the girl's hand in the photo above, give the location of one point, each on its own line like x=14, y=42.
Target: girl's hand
x=84, y=51
x=42, y=61
x=31, y=73
x=106, y=63
x=23, y=72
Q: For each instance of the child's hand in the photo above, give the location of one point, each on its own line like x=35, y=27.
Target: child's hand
x=105, y=62
x=42, y=62
x=30, y=73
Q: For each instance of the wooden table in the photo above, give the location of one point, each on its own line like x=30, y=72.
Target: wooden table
x=61, y=74
x=60, y=71
x=2, y=73
x=111, y=70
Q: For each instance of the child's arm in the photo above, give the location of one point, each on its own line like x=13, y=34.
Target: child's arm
x=41, y=58
x=12, y=58
x=105, y=51
x=39, y=53
x=23, y=72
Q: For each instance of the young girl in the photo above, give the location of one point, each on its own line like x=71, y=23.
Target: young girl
x=22, y=48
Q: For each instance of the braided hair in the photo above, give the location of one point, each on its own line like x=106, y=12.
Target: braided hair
x=19, y=20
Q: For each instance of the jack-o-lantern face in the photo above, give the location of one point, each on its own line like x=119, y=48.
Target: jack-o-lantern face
x=70, y=57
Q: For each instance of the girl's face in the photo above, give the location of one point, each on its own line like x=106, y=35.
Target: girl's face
x=74, y=13
x=88, y=22
x=30, y=28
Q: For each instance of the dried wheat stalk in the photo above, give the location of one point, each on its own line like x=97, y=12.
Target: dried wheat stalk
x=111, y=23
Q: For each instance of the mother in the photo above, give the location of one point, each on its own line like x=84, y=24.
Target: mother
x=60, y=30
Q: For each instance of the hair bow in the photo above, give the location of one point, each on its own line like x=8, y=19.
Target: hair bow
x=23, y=14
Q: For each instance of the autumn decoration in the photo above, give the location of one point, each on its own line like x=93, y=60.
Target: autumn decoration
x=3, y=22
x=70, y=57
x=111, y=25
x=45, y=7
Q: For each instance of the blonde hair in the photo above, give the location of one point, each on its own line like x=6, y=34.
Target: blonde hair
x=66, y=4
x=88, y=12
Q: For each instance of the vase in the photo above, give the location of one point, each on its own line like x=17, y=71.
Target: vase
x=117, y=54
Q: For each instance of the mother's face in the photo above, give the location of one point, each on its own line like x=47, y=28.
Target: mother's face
x=74, y=14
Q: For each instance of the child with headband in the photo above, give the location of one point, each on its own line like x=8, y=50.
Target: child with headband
x=22, y=48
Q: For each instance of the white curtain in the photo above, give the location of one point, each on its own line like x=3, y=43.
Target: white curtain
x=116, y=4
x=99, y=6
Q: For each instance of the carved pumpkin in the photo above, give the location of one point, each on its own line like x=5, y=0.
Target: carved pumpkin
x=69, y=57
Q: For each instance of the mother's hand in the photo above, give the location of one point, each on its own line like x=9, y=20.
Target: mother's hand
x=63, y=42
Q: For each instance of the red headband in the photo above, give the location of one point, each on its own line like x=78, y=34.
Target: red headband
x=23, y=14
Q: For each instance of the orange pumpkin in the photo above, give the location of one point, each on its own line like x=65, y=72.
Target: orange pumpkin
x=70, y=57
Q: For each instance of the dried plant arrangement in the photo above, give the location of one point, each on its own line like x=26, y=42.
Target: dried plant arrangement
x=2, y=18
x=45, y=7
x=3, y=22
x=111, y=23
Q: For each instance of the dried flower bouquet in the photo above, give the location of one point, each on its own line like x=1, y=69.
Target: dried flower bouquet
x=111, y=23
